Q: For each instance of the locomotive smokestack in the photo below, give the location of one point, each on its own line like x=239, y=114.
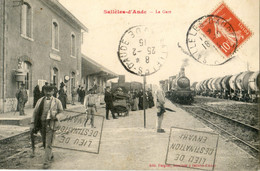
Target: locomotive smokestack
x=182, y=72
x=184, y=64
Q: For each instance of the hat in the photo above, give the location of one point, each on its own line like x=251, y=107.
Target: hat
x=48, y=88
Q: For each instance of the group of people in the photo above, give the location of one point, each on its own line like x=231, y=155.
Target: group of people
x=81, y=94
x=48, y=112
x=61, y=93
x=137, y=102
x=134, y=100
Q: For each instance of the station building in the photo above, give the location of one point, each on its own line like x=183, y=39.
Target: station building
x=40, y=41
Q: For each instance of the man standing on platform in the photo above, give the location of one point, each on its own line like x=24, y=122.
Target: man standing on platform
x=82, y=94
x=22, y=98
x=78, y=92
x=160, y=96
x=45, y=119
x=90, y=103
x=73, y=95
x=109, y=103
x=43, y=87
x=55, y=90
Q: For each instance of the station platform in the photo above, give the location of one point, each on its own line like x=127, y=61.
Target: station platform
x=127, y=145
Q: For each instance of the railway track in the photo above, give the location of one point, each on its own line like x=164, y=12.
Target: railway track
x=242, y=134
x=230, y=119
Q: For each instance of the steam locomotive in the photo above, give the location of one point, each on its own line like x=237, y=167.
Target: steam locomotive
x=243, y=86
x=177, y=88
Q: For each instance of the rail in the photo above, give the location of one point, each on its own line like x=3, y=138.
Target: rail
x=241, y=123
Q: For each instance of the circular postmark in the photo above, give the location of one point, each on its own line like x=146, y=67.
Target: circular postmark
x=141, y=51
x=211, y=40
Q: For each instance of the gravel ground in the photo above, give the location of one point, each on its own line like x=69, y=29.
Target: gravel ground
x=240, y=111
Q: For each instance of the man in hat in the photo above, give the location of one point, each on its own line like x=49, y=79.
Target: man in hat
x=55, y=90
x=109, y=103
x=160, y=96
x=43, y=87
x=82, y=94
x=22, y=98
x=73, y=95
x=78, y=91
x=90, y=103
x=45, y=118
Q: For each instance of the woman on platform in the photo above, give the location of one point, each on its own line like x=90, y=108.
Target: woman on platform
x=136, y=101
x=62, y=96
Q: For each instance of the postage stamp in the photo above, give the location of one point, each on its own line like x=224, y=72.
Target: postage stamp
x=213, y=39
x=192, y=149
x=74, y=134
x=242, y=33
x=141, y=51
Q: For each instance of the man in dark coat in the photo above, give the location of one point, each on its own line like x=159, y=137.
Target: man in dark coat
x=150, y=98
x=43, y=87
x=82, y=95
x=142, y=103
x=55, y=90
x=36, y=95
x=109, y=103
x=140, y=96
x=78, y=92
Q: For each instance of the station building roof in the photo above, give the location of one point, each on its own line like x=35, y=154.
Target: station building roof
x=91, y=67
x=60, y=10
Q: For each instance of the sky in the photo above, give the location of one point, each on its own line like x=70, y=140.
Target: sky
x=105, y=31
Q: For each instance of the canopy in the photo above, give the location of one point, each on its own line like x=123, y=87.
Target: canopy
x=90, y=67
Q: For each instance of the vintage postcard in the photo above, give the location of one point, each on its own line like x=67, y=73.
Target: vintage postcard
x=129, y=85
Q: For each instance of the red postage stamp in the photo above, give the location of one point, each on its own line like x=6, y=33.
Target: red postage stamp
x=227, y=34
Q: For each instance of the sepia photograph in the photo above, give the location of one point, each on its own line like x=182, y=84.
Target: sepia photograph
x=129, y=85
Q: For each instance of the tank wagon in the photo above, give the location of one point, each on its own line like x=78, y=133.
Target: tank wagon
x=243, y=86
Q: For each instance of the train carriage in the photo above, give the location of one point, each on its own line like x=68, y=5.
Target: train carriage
x=242, y=84
x=226, y=87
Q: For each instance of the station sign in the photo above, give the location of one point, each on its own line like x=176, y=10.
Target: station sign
x=74, y=134
x=192, y=149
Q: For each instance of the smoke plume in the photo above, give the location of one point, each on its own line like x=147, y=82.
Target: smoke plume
x=185, y=62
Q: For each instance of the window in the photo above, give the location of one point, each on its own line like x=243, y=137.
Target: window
x=26, y=20
x=55, y=76
x=73, y=45
x=27, y=67
x=55, y=35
